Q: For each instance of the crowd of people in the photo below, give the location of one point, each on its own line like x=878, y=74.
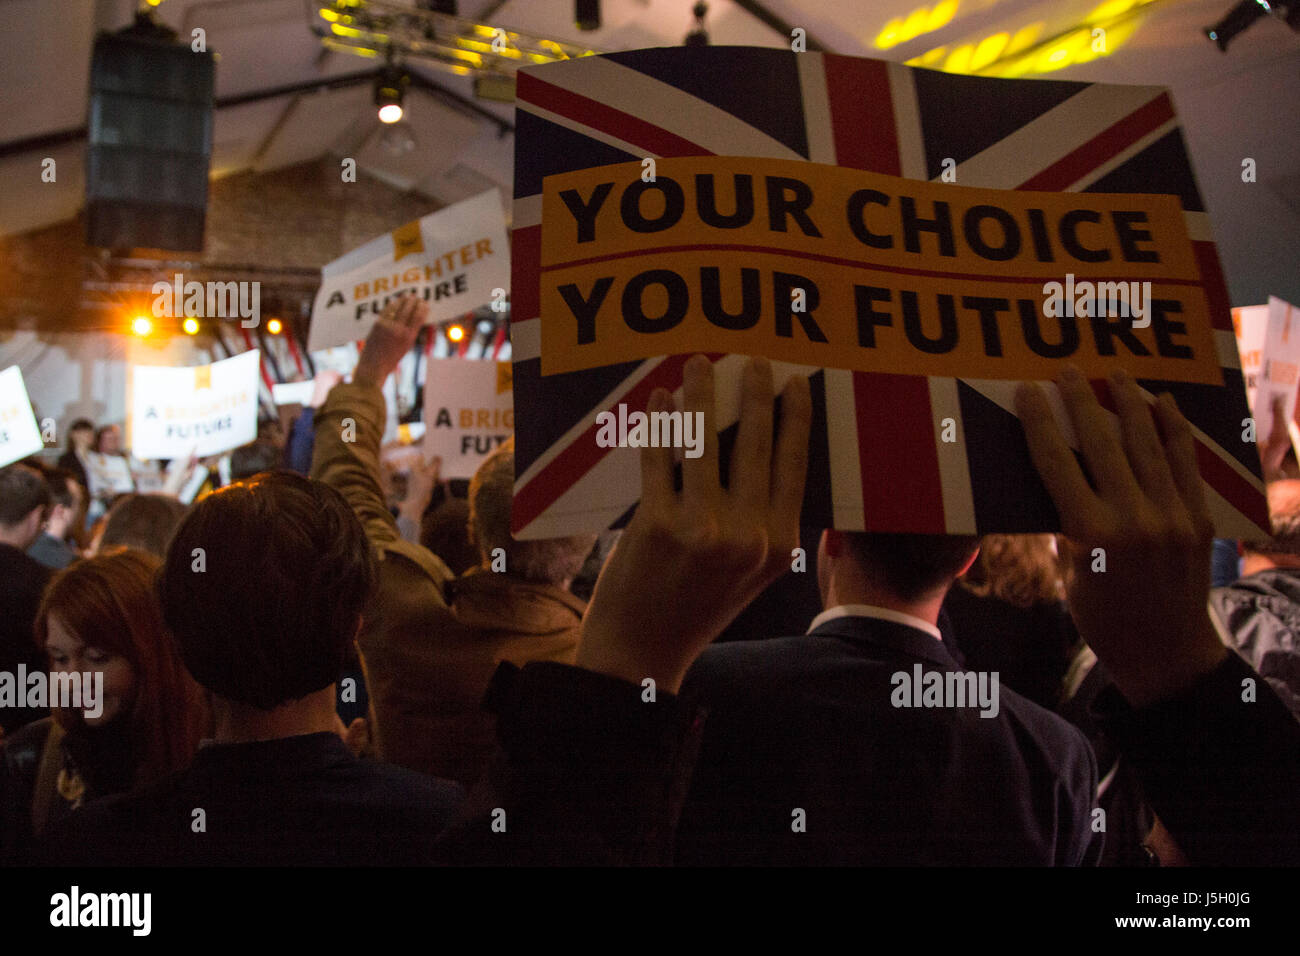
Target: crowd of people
x=321, y=663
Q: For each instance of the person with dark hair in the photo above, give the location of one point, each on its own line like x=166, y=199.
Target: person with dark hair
x=24, y=500
x=444, y=530
x=67, y=511
x=143, y=522
x=263, y=586
x=891, y=753
x=81, y=439
x=101, y=617
x=431, y=643
x=1259, y=614
x=254, y=458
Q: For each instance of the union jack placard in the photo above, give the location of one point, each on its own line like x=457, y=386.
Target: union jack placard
x=922, y=438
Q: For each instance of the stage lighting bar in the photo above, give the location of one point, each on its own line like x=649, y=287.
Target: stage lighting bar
x=376, y=28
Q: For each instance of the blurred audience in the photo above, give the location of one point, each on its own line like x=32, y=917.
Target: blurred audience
x=24, y=500
x=56, y=547
x=1259, y=614
x=81, y=440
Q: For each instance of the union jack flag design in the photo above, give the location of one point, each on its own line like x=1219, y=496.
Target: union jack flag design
x=877, y=461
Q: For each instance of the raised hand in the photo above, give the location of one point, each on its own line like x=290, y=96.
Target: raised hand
x=391, y=338
x=1139, y=533
x=690, y=561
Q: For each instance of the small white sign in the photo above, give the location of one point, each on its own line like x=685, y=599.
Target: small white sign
x=453, y=259
x=469, y=412
x=177, y=412
x=20, y=436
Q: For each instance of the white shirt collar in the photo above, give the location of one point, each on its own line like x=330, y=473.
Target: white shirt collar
x=880, y=613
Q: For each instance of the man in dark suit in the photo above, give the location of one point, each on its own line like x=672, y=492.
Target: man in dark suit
x=864, y=741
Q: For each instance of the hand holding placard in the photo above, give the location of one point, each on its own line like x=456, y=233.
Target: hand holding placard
x=690, y=561
x=1144, y=613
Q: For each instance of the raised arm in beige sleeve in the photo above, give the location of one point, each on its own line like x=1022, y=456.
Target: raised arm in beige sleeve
x=409, y=610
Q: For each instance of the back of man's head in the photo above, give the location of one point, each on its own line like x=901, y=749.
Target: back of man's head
x=549, y=561
x=23, y=490
x=263, y=586
x=1283, y=548
x=911, y=566
x=142, y=522
x=254, y=458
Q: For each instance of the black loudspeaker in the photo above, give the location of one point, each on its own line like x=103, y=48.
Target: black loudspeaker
x=150, y=141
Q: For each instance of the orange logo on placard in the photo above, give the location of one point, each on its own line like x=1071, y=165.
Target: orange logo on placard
x=407, y=240
x=505, y=377
x=202, y=377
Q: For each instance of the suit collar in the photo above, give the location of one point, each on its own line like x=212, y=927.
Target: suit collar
x=892, y=635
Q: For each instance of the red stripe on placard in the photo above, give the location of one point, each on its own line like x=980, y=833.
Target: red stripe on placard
x=1236, y=490
x=582, y=454
x=1216, y=289
x=1214, y=469
x=862, y=114
x=526, y=264
x=605, y=119
x=836, y=260
x=901, y=487
x=1106, y=145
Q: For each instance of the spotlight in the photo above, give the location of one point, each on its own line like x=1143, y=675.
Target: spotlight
x=141, y=325
x=1247, y=12
x=191, y=326
x=486, y=326
x=274, y=326
x=586, y=14
x=698, y=36
x=390, y=85
x=455, y=333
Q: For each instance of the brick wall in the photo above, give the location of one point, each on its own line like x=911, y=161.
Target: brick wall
x=298, y=218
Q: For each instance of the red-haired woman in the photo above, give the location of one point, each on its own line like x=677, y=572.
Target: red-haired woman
x=100, y=616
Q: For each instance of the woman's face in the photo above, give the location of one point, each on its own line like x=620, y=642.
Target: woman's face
x=83, y=438
x=68, y=653
x=110, y=442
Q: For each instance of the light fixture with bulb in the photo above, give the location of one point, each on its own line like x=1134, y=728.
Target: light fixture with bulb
x=390, y=86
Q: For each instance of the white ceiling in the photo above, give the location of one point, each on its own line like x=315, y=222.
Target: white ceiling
x=1231, y=106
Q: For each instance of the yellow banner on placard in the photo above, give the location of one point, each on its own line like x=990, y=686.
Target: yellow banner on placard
x=839, y=268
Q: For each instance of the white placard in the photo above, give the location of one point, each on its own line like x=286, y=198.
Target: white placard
x=453, y=259
x=293, y=393
x=20, y=436
x=108, y=475
x=176, y=412
x=1268, y=341
x=469, y=412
